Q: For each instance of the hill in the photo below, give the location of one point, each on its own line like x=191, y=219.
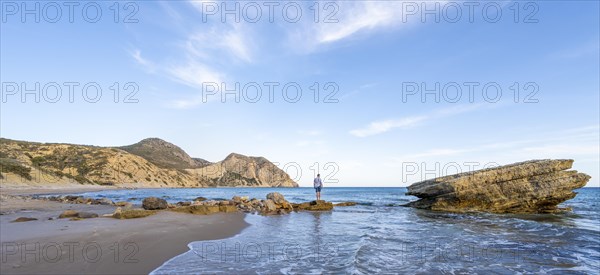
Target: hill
x=149, y=163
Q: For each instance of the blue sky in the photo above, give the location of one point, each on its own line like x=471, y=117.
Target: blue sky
x=375, y=130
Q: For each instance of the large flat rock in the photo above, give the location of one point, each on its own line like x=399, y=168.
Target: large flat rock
x=535, y=186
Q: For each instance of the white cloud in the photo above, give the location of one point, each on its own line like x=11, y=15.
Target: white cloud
x=379, y=127
x=137, y=56
x=357, y=16
x=195, y=74
x=556, y=144
x=353, y=18
x=233, y=40
x=203, y=58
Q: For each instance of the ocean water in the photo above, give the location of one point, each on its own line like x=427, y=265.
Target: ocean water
x=379, y=236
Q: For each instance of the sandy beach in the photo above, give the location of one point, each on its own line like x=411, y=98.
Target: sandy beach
x=100, y=245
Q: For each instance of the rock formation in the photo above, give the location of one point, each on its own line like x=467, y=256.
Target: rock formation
x=536, y=186
x=240, y=170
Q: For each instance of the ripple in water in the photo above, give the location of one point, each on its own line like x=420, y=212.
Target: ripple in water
x=374, y=237
x=369, y=239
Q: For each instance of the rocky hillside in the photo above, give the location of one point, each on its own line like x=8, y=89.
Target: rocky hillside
x=535, y=186
x=148, y=163
x=243, y=171
x=164, y=154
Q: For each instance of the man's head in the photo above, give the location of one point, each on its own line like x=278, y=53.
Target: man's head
x=318, y=175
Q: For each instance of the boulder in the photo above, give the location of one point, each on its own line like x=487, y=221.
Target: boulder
x=277, y=198
x=103, y=201
x=86, y=215
x=77, y=215
x=24, y=219
x=270, y=206
x=154, y=203
x=200, y=199
x=131, y=213
x=536, y=186
x=286, y=206
x=68, y=214
x=319, y=205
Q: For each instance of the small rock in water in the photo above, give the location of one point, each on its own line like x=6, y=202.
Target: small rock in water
x=319, y=205
x=104, y=201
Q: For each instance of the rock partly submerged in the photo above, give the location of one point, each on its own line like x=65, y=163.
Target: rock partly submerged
x=319, y=205
x=274, y=204
x=535, y=186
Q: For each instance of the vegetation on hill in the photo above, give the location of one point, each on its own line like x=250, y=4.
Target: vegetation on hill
x=149, y=163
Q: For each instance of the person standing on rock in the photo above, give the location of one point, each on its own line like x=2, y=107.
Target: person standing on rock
x=318, y=184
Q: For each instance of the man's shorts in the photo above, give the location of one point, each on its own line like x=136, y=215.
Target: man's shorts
x=318, y=189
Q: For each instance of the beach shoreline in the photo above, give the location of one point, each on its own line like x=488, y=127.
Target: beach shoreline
x=100, y=245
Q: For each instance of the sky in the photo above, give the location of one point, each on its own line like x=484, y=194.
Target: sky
x=367, y=93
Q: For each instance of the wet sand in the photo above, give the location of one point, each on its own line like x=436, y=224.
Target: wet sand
x=99, y=245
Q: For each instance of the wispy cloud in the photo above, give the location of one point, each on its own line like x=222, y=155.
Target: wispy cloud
x=566, y=143
x=204, y=58
x=380, y=127
x=233, y=40
x=353, y=18
x=195, y=74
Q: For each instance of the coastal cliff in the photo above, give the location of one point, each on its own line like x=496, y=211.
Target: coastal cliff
x=535, y=186
x=149, y=163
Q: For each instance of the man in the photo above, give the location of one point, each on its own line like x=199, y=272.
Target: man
x=318, y=184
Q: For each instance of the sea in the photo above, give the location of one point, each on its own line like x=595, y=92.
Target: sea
x=380, y=236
